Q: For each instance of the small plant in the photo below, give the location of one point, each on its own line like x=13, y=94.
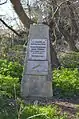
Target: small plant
x=23, y=111
x=13, y=69
x=66, y=82
x=41, y=112
x=7, y=85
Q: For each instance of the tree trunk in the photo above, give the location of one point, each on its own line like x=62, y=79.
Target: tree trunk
x=26, y=22
x=54, y=60
x=69, y=38
x=72, y=17
x=21, y=13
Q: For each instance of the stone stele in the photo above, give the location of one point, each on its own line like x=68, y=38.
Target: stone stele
x=36, y=79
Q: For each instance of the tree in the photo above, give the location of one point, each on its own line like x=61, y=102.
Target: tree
x=21, y=13
x=71, y=33
x=1, y=3
x=58, y=24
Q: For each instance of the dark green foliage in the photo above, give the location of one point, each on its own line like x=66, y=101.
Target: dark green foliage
x=66, y=82
x=7, y=108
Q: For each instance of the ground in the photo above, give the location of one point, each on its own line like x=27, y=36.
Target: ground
x=71, y=106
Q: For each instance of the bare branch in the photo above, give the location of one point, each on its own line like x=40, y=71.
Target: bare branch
x=10, y=28
x=4, y=2
x=72, y=16
x=59, y=8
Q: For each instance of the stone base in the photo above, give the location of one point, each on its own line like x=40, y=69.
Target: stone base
x=38, y=100
x=36, y=86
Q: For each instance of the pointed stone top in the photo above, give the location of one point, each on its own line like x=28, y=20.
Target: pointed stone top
x=40, y=16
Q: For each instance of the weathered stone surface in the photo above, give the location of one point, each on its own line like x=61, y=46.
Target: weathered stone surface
x=37, y=70
x=37, y=67
x=34, y=85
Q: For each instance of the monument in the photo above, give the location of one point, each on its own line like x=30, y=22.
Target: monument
x=36, y=81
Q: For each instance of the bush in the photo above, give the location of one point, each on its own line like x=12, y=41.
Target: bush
x=10, y=74
x=8, y=85
x=66, y=82
x=13, y=69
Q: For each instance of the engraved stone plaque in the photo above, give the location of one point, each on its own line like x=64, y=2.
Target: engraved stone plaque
x=37, y=67
x=38, y=49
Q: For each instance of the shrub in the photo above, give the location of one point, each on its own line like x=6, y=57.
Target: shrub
x=13, y=69
x=66, y=82
x=8, y=86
